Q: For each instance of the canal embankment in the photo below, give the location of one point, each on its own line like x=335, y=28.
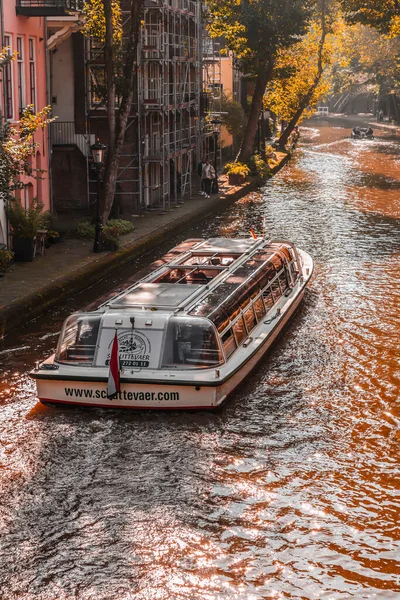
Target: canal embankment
x=68, y=268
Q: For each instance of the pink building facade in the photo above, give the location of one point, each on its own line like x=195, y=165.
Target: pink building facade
x=24, y=82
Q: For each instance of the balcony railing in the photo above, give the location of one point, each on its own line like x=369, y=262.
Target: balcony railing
x=186, y=6
x=48, y=8
x=62, y=133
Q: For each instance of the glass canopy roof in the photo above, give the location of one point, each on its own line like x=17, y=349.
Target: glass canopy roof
x=155, y=295
x=238, y=288
x=214, y=245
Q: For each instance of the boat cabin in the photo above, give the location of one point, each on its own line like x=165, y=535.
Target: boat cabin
x=193, y=309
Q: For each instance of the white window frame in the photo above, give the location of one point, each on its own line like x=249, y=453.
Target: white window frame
x=32, y=71
x=8, y=81
x=21, y=84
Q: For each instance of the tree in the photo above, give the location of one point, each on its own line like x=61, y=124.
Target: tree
x=301, y=71
x=17, y=146
x=234, y=119
x=256, y=30
x=17, y=142
x=103, y=21
x=383, y=15
x=365, y=62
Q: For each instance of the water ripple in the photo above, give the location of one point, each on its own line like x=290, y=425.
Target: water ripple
x=291, y=490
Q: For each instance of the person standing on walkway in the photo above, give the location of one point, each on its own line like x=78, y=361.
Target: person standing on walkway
x=208, y=176
x=200, y=167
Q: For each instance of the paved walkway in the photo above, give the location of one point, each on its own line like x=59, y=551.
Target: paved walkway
x=61, y=260
x=72, y=254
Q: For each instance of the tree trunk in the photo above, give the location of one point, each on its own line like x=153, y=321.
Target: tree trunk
x=109, y=70
x=130, y=47
x=294, y=120
x=247, y=147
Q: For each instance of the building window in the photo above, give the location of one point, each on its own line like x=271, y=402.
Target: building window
x=8, y=81
x=21, y=74
x=39, y=175
x=28, y=196
x=32, y=73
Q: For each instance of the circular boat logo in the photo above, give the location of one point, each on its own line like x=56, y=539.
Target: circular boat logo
x=132, y=344
x=134, y=350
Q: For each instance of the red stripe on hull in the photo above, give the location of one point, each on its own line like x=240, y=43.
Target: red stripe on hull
x=92, y=405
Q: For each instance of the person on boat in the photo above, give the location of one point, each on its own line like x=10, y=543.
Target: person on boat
x=197, y=277
x=184, y=345
x=177, y=276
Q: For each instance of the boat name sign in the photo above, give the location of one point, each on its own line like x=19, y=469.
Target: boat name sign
x=135, y=349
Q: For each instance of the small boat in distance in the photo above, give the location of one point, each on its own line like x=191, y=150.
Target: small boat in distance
x=362, y=133
x=186, y=334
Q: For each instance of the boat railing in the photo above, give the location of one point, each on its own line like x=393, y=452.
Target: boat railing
x=293, y=248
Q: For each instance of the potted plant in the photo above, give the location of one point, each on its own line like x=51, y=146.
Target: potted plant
x=237, y=173
x=24, y=224
x=53, y=237
x=6, y=257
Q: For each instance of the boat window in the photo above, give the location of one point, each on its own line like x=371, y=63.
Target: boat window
x=78, y=339
x=243, y=297
x=229, y=343
x=286, y=252
x=250, y=319
x=198, y=277
x=276, y=290
x=293, y=270
x=191, y=343
x=268, y=299
x=189, y=275
x=220, y=319
x=173, y=276
x=283, y=281
x=259, y=308
x=232, y=307
x=268, y=273
x=239, y=330
x=277, y=261
x=212, y=259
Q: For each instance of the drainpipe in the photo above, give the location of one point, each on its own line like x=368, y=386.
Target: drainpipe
x=2, y=45
x=49, y=91
x=7, y=231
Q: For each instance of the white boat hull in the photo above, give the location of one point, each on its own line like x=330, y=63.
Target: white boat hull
x=149, y=386
x=144, y=396
x=132, y=395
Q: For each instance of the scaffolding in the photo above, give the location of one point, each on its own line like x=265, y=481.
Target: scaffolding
x=165, y=132
x=169, y=93
x=129, y=181
x=212, y=92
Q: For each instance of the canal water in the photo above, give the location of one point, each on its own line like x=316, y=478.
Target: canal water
x=292, y=489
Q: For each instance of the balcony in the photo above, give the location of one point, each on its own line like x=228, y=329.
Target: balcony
x=48, y=8
x=62, y=133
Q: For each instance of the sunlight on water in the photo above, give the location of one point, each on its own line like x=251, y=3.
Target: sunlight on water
x=291, y=490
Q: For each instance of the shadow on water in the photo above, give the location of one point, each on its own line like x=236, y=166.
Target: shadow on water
x=388, y=149
x=374, y=180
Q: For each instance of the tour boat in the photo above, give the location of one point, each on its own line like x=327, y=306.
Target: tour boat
x=186, y=334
